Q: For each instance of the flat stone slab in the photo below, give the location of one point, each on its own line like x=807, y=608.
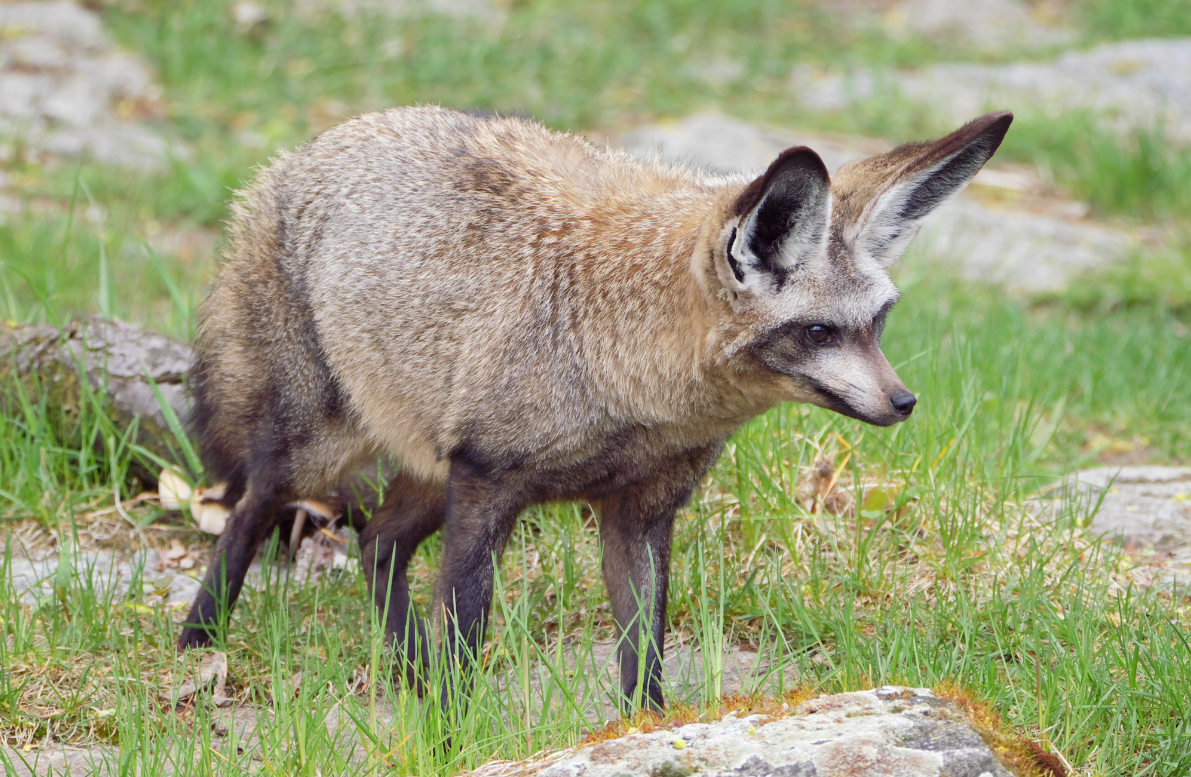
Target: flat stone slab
x=1140, y=506
x=1144, y=509
x=724, y=143
x=57, y=761
x=908, y=732
x=1023, y=250
x=33, y=580
x=66, y=90
x=1026, y=252
x=1133, y=84
x=483, y=10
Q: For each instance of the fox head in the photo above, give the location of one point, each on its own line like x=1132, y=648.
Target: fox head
x=803, y=261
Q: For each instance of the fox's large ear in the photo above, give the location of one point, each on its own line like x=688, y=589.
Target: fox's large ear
x=924, y=176
x=784, y=216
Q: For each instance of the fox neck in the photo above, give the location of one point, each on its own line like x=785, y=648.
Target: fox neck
x=732, y=387
x=677, y=361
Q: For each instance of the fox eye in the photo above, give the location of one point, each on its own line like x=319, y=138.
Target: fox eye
x=821, y=335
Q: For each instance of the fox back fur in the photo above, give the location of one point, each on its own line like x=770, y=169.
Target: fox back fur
x=514, y=316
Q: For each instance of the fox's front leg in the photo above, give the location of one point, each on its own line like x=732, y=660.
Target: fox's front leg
x=480, y=515
x=635, y=529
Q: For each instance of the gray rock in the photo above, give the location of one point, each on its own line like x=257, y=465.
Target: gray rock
x=121, y=363
x=888, y=731
x=53, y=760
x=150, y=575
x=476, y=9
x=33, y=580
x=61, y=19
x=65, y=89
x=1026, y=251
x=1140, y=506
x=964, y=752
x=1151, y=477
x=719, y=72
x=987, y=25
x=723, y=143
x=1144, y=509
x=756, y=766
x=1139, y=84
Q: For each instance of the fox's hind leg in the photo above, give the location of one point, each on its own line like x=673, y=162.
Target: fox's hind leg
x=252, y=518
x=411, y=512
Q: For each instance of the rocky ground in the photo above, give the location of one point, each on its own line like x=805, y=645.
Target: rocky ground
x=1134, y=84
x=991, y=26
x=1147, y=510
x=66, y=90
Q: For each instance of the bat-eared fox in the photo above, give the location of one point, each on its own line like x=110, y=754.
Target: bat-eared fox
x=513, y=316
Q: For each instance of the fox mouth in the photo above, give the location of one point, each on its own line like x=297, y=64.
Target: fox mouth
x=835, y=402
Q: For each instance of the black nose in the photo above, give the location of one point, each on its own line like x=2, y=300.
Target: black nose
x=903, y=402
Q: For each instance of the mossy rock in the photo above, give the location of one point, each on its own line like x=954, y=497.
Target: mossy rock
x=125, y=367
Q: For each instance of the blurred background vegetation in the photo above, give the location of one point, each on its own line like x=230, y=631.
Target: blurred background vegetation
x=236, y=92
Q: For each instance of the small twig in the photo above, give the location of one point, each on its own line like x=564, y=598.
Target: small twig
x=749, y=561
x=104, y=537
x=120, y=507
x=835, y=477
x=144, y=496
x=821, y=496
x=334, y=536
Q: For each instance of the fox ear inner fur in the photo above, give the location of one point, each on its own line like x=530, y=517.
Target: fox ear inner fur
x=930, y=174
x=783, y=218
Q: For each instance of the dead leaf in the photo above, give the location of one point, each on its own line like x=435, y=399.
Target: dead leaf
x=214, y=493
x=319, y=552
x=213, y=518
x=335, y=537
x=177, y=557
x=208, y=512
x=212, y=670
x=177, y=550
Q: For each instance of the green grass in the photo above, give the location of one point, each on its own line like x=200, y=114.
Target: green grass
x=53, y=267
x=1161, y=279
x=569, y=64
x=1139, y=176
x=1123, y=19
x=942, y=576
